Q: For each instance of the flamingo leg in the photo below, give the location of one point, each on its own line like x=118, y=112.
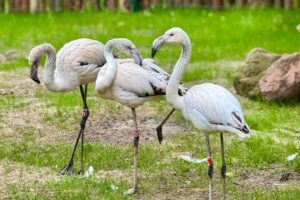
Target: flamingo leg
x=136, y=153
x=159, y=127
x=223, y=169
x=85, y=115
x=69, y=167
x=210, y=167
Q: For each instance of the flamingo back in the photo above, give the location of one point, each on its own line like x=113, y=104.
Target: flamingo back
x=82, y=59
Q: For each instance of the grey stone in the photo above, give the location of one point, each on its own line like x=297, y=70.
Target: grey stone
x=257, y=62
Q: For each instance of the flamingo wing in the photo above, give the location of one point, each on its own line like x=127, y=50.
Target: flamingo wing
x=215, y=104
x=132, y=78
x=161, y=74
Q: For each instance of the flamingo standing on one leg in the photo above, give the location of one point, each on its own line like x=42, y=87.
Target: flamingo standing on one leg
x=210, y=107
x=130, y=84
x=76, y=64
x=150, y=66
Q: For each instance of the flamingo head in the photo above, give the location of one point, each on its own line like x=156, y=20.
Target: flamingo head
x=34, y=60
x=172, y=36
x=125, y=45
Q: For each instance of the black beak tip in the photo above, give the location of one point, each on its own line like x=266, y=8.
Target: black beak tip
x=153, y=52
x=245, y=130
x=38, y=81
x=34, y=74
x=35, y=79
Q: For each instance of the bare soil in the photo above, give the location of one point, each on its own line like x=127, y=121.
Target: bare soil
x=107, y=127
x=12, y=173
x=117, y=128
x=274, y=176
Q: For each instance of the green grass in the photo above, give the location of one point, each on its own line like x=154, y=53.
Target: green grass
x=219, y=39
x=276, y=194
x=80, y=188
x=226, y=35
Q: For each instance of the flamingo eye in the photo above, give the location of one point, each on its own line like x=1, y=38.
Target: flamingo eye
x=171, y=34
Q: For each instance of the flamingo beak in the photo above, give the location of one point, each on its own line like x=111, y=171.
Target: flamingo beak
x=157, y=43
x=34, y=73
x=137, y=57
x=245, y=129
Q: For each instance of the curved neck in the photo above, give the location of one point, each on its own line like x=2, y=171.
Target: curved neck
x=105, y=81
x=49, y=68
x=174, y=82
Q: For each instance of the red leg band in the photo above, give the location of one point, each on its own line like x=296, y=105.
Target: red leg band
x=210, y=162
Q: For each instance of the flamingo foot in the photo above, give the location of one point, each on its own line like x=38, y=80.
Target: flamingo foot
x=68, y=169
x=81, y=172
x=130, y=191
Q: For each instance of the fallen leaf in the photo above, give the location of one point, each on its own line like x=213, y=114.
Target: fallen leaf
x=89, y=172
x=113, y=187
x=292, y=157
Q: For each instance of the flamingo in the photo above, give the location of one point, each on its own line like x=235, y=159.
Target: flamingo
x=76, y=64
x=131, y=82
x=210, y=107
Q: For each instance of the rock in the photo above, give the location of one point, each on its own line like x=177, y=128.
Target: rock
x=282, y=80
x=257, y=62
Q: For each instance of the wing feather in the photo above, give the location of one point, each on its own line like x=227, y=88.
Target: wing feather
x=161, y=74
x=137, y=80
x=215, y=103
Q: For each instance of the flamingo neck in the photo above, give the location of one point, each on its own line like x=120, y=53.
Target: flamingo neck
x=49, y=69
x=104, y=81
x=174, y=82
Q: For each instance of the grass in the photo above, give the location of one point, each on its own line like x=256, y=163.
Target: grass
x=220, y=41
x=226, y=35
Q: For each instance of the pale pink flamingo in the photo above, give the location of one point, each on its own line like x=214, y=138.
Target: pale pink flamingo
x=76, y=64
x=131, y=84
x=210, y=107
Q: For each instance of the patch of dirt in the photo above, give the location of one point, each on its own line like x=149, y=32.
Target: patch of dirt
x=111, y=128
x=9, y=56
x=108, y=127
x=273, y=176
x=117, y=127
x=14, y=173
x=17, y=83
x=17, y=122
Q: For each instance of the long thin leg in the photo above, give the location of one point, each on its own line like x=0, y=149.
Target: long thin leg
x=69, y=167
x=210, y=167
x=136, y=154
x=85, y=115
x=159, y=127
x=223, y=169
